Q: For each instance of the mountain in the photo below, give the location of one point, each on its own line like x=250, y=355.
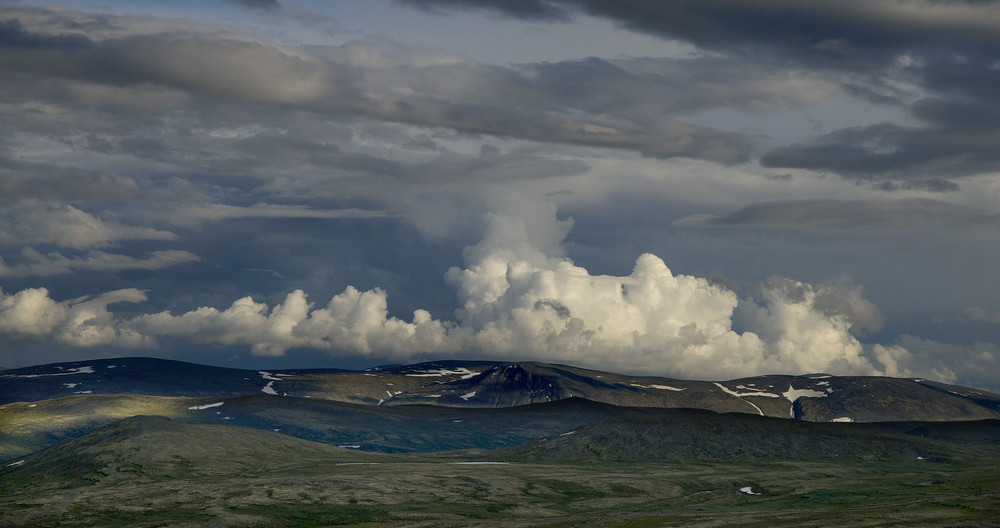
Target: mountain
x=814, y=397
x=131, y=375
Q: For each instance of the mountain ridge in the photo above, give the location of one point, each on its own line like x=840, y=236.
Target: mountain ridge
x=459, y=383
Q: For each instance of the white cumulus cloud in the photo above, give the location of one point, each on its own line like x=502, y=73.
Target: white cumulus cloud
x=84, y=322
x=520, y=298
x=517, y=301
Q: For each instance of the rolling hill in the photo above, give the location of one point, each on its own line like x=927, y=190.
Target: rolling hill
x=147, y=442
x=656, y=467
x=816, y=397
x=28, y=427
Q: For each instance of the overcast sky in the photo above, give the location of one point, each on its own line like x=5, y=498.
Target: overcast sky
x=700, y=189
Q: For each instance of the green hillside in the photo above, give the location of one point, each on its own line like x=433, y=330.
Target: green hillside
x=148, y=471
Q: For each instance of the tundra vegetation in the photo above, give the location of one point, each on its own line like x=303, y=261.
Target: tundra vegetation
x=234, y=458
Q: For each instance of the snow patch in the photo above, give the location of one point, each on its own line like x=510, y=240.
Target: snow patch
x=33, y=405
x=111, y=366
x=268, y=389
x=206, y=406
x=658, y=387
x=71, y=385
x=70, y=372
x=268, y=375
x=83, y=392
x=432, y=396
x=567, y=434
x=748, y=490
x=12, y=464
x=467, y=396
x=793, y=394
x=744, y=394
x=350, y=446
x=843, y=419
x=463, y=372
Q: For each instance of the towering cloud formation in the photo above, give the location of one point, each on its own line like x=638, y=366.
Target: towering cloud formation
x=518, y=301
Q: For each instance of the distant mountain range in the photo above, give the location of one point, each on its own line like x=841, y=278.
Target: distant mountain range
x=435, y=406
x=813, y=397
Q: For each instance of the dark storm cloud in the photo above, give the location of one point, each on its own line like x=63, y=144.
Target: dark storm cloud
x=13, y=36
x=842, y=32
x=590, y=102
x=887, y=51
x=837, y=216
x=959, y=138
x=266, y=5
x=34, y=180
x=523, y=9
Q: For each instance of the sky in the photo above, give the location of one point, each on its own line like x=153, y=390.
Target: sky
x=701, y=189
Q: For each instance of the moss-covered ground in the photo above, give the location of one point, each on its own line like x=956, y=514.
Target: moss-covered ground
x=424, y=491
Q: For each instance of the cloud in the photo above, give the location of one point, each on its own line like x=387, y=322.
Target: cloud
x=517, y=300
x=845, y=30
x=937, y=59
x=839, y=216
x=982, y=315
x=893, y=151
x=267, y=5
x=84, y=322
x=36, y=264
x=353, y=322
x=524, y=9
x=213, y=64
x=972, y=365
x=604, y=105
x=841, y=297
x=192, y=215
x=13, y=35
x=34, y=222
